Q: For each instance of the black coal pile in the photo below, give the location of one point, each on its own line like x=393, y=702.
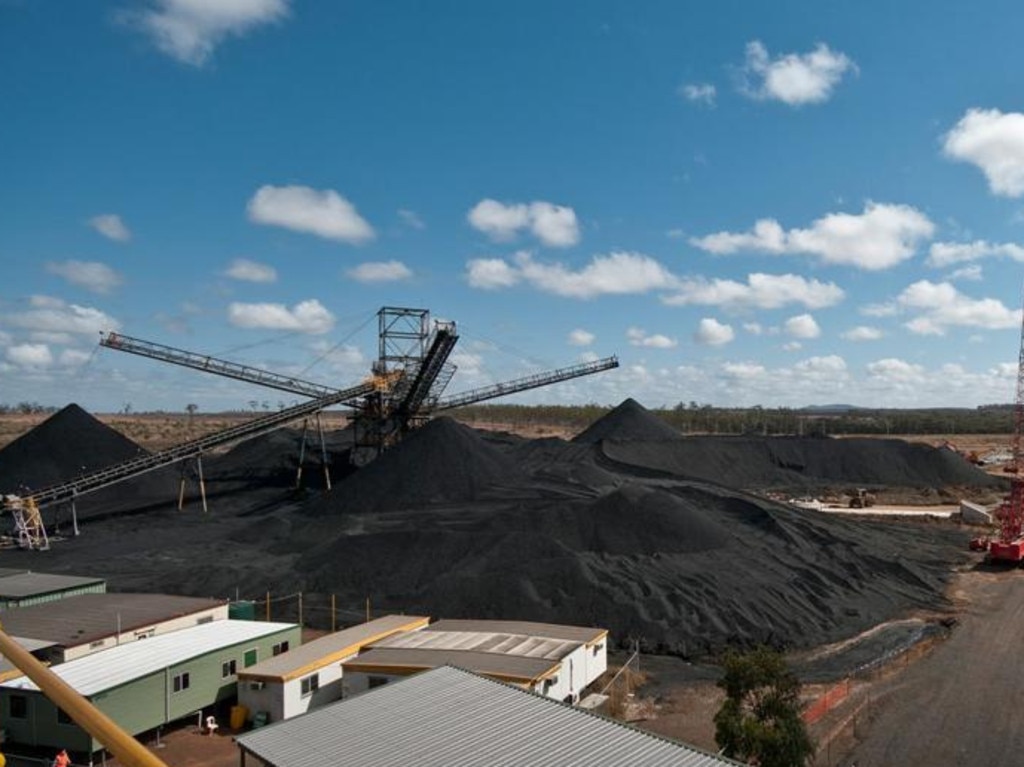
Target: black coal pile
x=443, y=462
x=800, y=464
x=274, y=458
x=654, y=537
x=68, y=443
x=629, y=421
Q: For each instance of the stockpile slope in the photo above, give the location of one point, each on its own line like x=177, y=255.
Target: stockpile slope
x=628, y=421
x=273, y=458
x=69, y=443
x=688, y=568
x=443, y=462
x=801, y=462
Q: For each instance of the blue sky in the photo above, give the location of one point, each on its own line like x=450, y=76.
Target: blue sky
x=781, y=204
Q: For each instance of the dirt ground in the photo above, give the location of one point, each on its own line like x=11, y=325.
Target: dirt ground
x=951, y=699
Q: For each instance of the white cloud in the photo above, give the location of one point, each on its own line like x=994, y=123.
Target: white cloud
x=30, y=355
x=491, y=273
x=324, y=213
x=802, y=326
x=553, y=225
x=589, y=356
x=972, y=273
x=111, y=226
x=941, y=306
x=72, y=358
x=895, y=370
x=942, y=254
x=617, y=273
x=889, y=309
x=754, y=328
x=251, y=271
x=308, y=316
x=794, y=78
x=411, y=218
x=743, y=369
x=639, y=337
x=711, y=332
x=792, y=346
x=862, y=333
x=51, y=337
x=190, y=30
x=994, y=142
x=53, y=315
x=761, y=291
x=580, y=337
x=830, y=366
x=380, y=271
x=699, y=93
x=91, y=275
x=881, y=237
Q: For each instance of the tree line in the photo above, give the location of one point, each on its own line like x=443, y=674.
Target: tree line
x=695, y=418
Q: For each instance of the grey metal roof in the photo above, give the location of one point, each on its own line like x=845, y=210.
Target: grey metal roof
x=120, y=665
x=7, y=571
x=452, y=718
x=86, y=618
x=32, y=645
x=527, y=646
x=581, y=634
x=508, y=667
x=333, y=648
x=29, y=584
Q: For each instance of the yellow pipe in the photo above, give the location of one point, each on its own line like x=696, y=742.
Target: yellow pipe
x=123, y=746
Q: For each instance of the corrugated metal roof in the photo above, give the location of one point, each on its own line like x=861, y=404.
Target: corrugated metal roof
x=522, y=645
x=332, y=648
x=508, y=667
x=88, y=617
x=451, y=718
x=31, y=584
x=582, y=634
x=119, y=665
x=7, y=669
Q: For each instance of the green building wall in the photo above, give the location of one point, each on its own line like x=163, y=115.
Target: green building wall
x=142, y=704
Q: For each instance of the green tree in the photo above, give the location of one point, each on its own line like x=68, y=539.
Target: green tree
x=760, y=721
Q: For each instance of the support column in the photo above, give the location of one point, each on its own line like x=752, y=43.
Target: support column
x=74, y=515
x=323, y=452
x=202, y=481
x=302, y=454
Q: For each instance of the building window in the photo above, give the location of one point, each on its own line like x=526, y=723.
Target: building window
x=62, y=717
x=204, y=619
x=19, y=707
x=257, y=685
x=227, y=668
x=97, y=643
x=181, y=682
x=251, y=656
x=280, y=647
x=377, y=681
x=598, y=648
x=310, y=684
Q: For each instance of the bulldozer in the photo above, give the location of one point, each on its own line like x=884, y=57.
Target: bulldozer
x=861, y=499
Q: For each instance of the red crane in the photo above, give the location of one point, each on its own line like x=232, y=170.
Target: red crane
x=1008, y=548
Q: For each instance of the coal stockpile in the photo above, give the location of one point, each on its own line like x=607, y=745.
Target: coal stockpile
x=68, y=443
x=653, y=537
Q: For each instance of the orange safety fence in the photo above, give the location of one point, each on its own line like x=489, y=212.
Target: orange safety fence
x=832, y=698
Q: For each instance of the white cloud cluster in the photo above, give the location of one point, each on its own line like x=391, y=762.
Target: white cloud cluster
x=380, y=271
x=91, y=275
x=553, y=225
x=580, y=337
x=640, y=337
x=699, y=93
x=879, y=238
x=862, y=333
x=617, y=273
x=893, y=370
x=711, y=332
x=802, y=326
x=411, y=219
x=47, y=314
x=941, y=306
x=30, y=355
x=190, y=30
x=761, y=291
x=308, y=316
x=324, y=213
x=794, y=78
x=994, y=142
x=251, y=271
x=111, y=226
x=943, y=254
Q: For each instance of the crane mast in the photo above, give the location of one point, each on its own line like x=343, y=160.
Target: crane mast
x=1009, y=548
